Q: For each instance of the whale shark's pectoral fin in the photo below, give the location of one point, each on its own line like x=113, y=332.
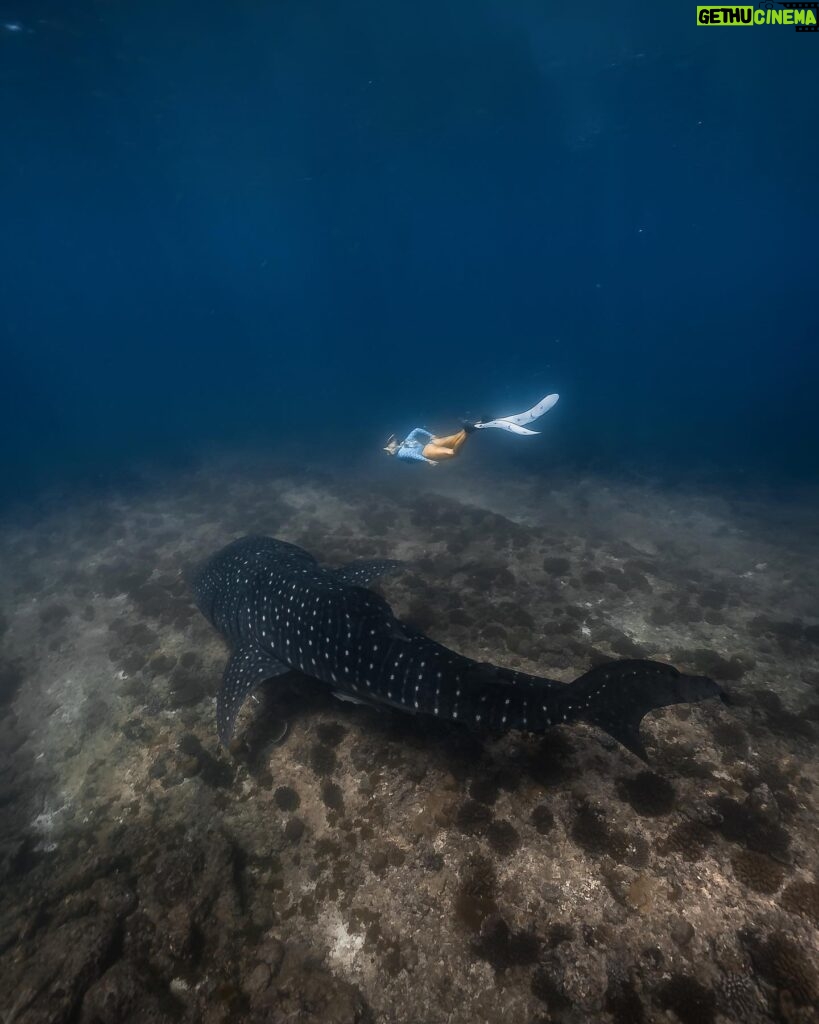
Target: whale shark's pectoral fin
x=347, y=698
x=247, y=667
x=364, y=571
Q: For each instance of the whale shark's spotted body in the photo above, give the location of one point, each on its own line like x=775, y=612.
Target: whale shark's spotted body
x=281, y=611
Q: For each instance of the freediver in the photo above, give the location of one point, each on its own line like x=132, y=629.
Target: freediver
x=422, y=446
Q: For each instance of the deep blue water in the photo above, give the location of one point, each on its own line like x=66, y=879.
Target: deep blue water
x=248, y=222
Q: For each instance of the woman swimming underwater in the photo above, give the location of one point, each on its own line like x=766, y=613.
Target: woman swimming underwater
x=422, y=446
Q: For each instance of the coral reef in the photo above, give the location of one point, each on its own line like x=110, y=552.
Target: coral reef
x=757, y=871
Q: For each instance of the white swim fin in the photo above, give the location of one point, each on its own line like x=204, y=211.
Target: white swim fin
x=514, y=424
x=513, y=428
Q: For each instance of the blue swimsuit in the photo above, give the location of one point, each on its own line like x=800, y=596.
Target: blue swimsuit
x=412, y=449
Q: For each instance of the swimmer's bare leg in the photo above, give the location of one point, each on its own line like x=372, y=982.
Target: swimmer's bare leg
x=454, y=441
x=438, y=452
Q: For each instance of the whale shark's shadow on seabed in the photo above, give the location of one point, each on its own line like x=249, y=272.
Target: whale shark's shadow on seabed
x=416, y=742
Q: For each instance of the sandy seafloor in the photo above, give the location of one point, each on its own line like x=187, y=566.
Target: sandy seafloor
x=370, y=866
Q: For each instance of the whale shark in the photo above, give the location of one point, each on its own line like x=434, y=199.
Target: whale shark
x=281, y=612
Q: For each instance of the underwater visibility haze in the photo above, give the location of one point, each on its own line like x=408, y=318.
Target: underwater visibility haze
x=347, y=675
x=227, y=221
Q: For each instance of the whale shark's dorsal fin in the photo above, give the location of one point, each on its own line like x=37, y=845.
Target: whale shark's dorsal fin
x=248, y=667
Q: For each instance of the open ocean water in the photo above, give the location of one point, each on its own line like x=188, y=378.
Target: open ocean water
x=242, y=245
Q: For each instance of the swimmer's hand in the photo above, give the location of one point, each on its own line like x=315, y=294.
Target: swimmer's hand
x=432, y=462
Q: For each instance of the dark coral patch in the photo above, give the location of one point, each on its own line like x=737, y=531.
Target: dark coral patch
x=161, y=664
x=287, y=799
x=709, y=663
x=623, y=1002
x=690, y=1001
x=599, y=838
x=164, y=599
x=789, y=724
x=758, y=872
x=740, y=823
x=502, y=947
x=690, y=839
x=332, y=796
x=11, y=679
x=661, y=616
x=558, y=933
x=484, y=789
x=784, y=963
x=488, y=577
x=472, y=817
x=557, y=566
x=543, y=819
x=503, y=838
x=648, y=793
x=322, y=759
x=54, y=615
x=327, y=848
x=549, y=991
x=478, y=876
x=730, y=736
x=627, y=648
x=778, y=718
x=713, y=597
x=421, y=615
x=331, y=733
x=550, y=763
x=188, y=683
x=475, y=899
x=785, y=631
x=294, y=830
x=379, y=862
x=803, y=898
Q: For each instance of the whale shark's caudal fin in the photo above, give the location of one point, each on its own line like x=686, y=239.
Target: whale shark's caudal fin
x=515, y=424
x=616, y=697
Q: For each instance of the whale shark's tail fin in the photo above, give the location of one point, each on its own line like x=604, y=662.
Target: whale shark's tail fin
x=616, y=697
x=515, y=424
